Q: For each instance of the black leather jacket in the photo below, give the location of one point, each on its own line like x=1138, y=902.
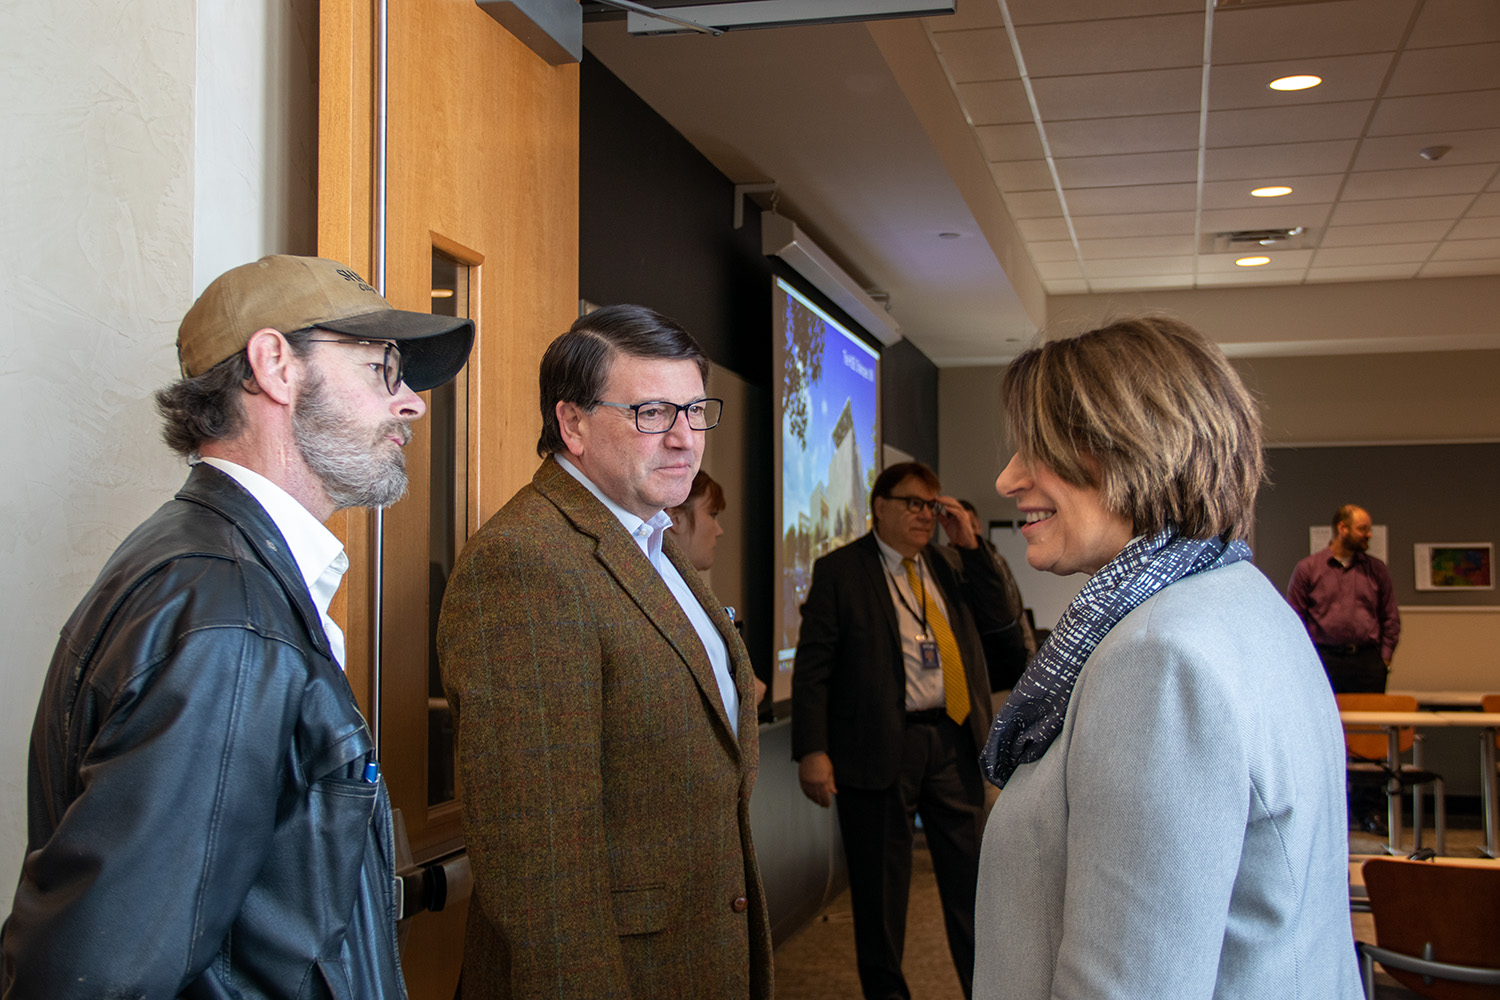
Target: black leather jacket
x=199, y=820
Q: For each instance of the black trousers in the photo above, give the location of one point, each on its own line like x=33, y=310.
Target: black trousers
x=1354, y=670
x=1358, y=670
x=940, y=781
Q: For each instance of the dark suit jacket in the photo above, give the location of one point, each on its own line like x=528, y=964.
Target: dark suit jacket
x=849, y=681
x=606, y=800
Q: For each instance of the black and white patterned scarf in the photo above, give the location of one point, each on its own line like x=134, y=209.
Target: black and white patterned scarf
x=1033, y=714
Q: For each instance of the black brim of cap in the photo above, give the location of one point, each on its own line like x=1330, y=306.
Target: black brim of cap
x=433, y=347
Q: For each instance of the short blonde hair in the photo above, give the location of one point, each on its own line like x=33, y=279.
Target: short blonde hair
x=1175, y=434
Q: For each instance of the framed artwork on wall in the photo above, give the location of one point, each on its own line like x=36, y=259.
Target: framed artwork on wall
x=1455, y=566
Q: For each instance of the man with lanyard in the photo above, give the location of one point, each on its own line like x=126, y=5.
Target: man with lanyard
x=890, y=705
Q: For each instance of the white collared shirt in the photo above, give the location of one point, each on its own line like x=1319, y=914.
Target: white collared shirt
x=924, y=688
x=648, y=535
x=318, y=553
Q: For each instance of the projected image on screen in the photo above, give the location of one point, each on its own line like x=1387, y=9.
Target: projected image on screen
x=828, y=415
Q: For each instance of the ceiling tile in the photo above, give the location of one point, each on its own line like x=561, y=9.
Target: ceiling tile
x=1445, y=70
x=1122, y=200
x=1308, y=123
x=1370, y=272
x=1058, y=269
x=1133, y=266
x=1050, y=250
x=1123, y=283
x=1345, y=78
x=1391, y=253
x=1281, y=260
x=1436, y=112
x=1132, y=168
x=995, y=102
x=1045, y=11
x=1360, y=213
x=1113, y=46
x=1010, y=142
x=1112, y=95
x=1305, y=191
x=1476, y=229
x=1022, y=175
x=1458, y=268
x=1226, y=220
x=1261, y=34
x=1416, y=183
x=1397, y=151
x=1289, y=160
x=967, y=15
x=1033, y=204
x=1453, y=22
x=982, y=54
x=1106, y=136
x=1097, y=227
x=1142, y=246
x=1043, y=229
x=1468, y=250
x=1485, y=205
x=1385, y=232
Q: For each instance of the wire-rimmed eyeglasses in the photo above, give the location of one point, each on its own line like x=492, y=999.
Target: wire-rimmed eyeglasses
x=390, y=365
x=916, y=505
x=659, y=416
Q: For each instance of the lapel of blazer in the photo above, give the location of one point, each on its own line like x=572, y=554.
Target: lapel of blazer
x=739, y=658
x=880, y=592
x=628, y=565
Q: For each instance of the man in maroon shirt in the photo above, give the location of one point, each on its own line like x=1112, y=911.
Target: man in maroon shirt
x=1348, y=605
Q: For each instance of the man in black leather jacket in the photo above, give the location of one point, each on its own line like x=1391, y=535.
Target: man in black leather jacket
x=206, y=814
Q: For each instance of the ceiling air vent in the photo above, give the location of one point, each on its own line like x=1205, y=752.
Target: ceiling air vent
x=1266, y=239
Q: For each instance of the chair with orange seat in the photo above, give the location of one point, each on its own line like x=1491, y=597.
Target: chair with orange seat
x=1368, y=753
x=1437, y=928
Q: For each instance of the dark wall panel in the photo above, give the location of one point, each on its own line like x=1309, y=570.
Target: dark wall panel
x=1422, y=493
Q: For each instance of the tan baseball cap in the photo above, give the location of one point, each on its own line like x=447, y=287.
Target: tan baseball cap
x=288, y=293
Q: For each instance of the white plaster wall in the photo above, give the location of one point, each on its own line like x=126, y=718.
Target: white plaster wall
x=114, y=213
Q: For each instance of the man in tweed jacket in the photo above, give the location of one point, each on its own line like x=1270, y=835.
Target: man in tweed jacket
x=604, y=702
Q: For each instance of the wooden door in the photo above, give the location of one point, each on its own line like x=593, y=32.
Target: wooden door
x=477, y=215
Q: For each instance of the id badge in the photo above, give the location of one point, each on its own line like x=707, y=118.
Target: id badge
x=927, y=647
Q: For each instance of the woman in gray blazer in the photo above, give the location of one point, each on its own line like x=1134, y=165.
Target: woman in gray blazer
x=1172, y=822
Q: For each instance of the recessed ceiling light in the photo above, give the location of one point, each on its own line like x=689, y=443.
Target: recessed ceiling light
x=1253, y=261
x=1295, y=82
x=442, y=293
x=1270, y=192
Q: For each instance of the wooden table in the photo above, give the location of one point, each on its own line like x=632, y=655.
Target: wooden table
x=1391, y=722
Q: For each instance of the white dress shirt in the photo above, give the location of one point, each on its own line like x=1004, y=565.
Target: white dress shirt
x=648, y=535
x=924, y=688
x=318, y=553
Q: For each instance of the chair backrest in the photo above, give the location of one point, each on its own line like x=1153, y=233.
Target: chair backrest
x=1451, y=907
x=1491, y=703
x=1372, y=746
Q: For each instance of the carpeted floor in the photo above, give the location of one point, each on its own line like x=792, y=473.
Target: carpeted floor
x=817, y=963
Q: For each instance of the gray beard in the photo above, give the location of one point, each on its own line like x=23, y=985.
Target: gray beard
x=354, y=472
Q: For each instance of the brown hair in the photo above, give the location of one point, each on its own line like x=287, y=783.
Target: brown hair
x=704, y=485
x=1176, y=435
x=208, y=406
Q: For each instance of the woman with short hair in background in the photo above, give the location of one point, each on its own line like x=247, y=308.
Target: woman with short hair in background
x=1172, y=821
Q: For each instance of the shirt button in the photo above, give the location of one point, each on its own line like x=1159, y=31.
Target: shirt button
x=740, y=904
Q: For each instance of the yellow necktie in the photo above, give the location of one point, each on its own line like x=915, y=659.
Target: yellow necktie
x=955, y=683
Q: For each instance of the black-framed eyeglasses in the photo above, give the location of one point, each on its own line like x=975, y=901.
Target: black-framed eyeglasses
x=916, y=505
x=659, y=416
x=390, y=365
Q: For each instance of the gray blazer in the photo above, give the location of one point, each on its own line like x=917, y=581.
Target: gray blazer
x=1185, y=835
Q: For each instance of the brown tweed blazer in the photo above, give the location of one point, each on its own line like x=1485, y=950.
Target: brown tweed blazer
x=606, y=800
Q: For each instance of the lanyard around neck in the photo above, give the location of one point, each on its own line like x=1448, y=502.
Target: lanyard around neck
x=922, y=577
